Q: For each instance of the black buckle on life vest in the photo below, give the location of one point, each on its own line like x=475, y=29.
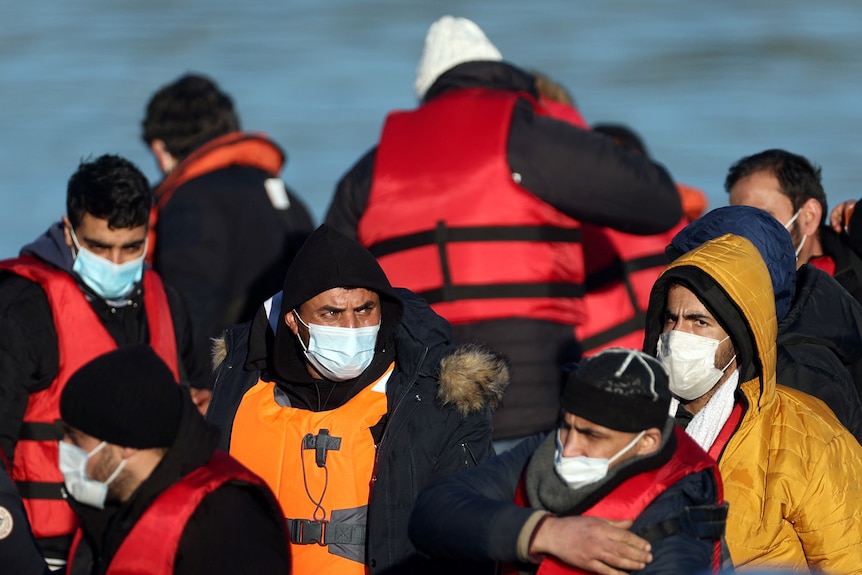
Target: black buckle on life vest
x=306, y=531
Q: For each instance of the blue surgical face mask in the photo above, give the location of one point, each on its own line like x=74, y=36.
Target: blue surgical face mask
x=110, y=281
x=339, y=353
x=73, y=466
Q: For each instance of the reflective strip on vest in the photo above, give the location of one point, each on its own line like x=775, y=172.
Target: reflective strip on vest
x=319, y=464
x=447, y=218
x=81, y=337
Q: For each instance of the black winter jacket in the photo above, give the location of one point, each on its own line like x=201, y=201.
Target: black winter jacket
x=471, y=516
x=422, y=438
x=19, y=552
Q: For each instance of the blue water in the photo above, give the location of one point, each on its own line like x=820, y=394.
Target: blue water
x=703, y=82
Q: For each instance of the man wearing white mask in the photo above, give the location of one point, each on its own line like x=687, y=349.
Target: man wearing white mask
x=79, y=290
x=154, y=494
x=792, y=473
x=617, y=455
x=350, y=402
x=788, y=187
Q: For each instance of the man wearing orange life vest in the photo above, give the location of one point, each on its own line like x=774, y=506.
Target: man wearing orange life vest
x=79, y=290
x=154, y=495
x=616, y=455
x=349, y=403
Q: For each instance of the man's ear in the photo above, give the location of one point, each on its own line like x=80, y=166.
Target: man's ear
x=127, y=452
x=290, y=320
x=164, y=158
x=650, y=442
x=810, y=216
x=67, y=234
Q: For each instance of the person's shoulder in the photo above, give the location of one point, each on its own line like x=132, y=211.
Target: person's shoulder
x=806, y=423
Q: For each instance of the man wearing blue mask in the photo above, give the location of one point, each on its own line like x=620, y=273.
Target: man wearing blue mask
x=347, y=398
x=79, y=290
x=616, y=455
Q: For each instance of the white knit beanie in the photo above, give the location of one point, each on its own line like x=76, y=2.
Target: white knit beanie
x=451, y=41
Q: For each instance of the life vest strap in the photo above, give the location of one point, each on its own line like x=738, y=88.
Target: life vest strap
x=36, y=431
x=309, y=532
x=442, y=234
x=502, y=291
x=40, y=490
x=703, y=521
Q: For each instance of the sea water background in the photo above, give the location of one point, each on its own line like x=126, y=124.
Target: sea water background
x=704, y=82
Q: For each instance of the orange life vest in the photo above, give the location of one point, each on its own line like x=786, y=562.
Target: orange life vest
x=628, y=500
x=81, y=337
x=447, y=218
x=150, y=548
x=252, y=149
x=320, y=465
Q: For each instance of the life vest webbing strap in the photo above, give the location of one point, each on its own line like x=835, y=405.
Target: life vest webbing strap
x=615, y=332
x=620, y=269
x=443, y=234
x=495, y=291
x=40, y=490
x=37, y=431
x=308, y=532
x=705, y=522
x=55, y=547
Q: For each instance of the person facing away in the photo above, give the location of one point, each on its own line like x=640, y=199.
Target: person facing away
x=792, y=473
x=474, y=201
x=226, y=225
x=351, y=403
x=788, y=187
x=141, y=470
x=819, y=322
x=80, y=290
x=616, y=455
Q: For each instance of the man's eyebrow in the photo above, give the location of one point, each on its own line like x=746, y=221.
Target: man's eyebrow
x=366, y=305
x=697, y=315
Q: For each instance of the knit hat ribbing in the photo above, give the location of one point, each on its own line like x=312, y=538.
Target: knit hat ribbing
x=127, y=397
x=451, y=41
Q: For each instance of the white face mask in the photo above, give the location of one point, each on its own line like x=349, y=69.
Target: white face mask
x=787, y=227
x=690, y=361
x=339, y=353
x=73, y=466
x=109, y=280
x=581, y=470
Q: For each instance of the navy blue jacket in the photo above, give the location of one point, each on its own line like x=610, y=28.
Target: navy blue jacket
x=471, y=516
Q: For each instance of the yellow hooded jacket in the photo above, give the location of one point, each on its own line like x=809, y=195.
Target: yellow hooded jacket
x=792, y=473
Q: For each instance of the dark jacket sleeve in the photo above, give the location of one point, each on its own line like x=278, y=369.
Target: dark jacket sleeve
x=233, y=531
x=19, y=553
x=192, y=371
x=471, y=515
x=684, y=551
x=29, y=358
x=351, y=196
x=588, y=177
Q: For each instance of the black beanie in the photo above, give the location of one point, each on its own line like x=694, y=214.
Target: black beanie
x=127, y=397
x=622, y=389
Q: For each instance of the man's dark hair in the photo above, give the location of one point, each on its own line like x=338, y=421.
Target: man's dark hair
x=799, y=178
x=109, y=188
x=188, y=113
x=624, y=137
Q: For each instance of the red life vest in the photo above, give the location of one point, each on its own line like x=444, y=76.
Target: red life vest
x=447, y=218
x=234, y=149
x=620, y=272
x=81, y=337
x=150, y=548
x=628, y=500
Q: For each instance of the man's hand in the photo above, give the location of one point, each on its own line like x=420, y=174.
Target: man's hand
x=839, y=218
x=595, y=545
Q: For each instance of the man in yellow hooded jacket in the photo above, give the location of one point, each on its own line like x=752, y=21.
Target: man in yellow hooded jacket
x=792, y=473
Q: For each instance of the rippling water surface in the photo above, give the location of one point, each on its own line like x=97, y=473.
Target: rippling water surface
x=703, y=82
